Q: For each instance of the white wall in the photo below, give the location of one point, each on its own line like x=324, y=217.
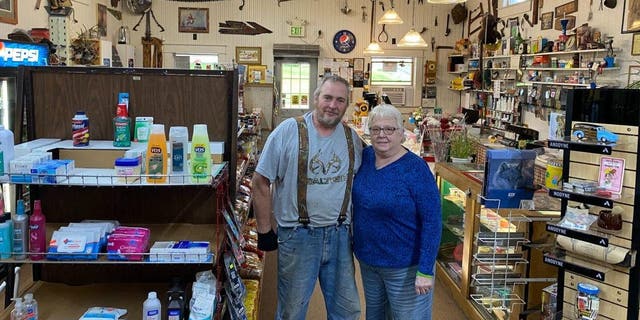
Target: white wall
x=321, y=15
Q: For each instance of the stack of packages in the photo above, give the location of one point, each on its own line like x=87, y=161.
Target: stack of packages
x=80, y=240
x=251, y=269
x=128, y=243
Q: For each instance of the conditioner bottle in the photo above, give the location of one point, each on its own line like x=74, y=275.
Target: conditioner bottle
x=200, y=155
x=37, y=232
x=20, y=232
x=157, y=155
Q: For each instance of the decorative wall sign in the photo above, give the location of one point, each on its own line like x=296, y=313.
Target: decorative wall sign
x=193, y=20
x=569, y=7
x=344, y=41
x=249, y=55
x=238, y=27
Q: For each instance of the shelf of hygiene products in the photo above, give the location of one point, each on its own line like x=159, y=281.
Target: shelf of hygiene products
x=568, y=69
x=158, y=232
x=530, y=83
x=569, y=52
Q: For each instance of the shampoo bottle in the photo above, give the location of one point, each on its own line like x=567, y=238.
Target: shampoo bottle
x=37, y=232
x=151, y=308
x=157, y=155
x=6, y=149
x=20, y=232
x=122, y=127
x=6, y=231
x=175, y=302
x=200, y=155
x=30, y=307
x=179, y=144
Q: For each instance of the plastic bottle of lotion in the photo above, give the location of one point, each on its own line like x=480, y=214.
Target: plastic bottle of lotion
x=200, y=155
x=6, y=235
x=157, y=155
x=18, y=310
x=179, y=144
x=151, y=308
x=20, y=232
x=30, y=307
x=37, y=232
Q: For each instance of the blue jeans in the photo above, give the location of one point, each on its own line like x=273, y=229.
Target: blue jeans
x=392, y=290
x=307, y=254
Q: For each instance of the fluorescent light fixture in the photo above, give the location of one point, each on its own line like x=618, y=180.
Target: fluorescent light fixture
x=412, y=39
x=390, y=17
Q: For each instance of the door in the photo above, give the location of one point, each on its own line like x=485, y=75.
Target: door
x=295, y=81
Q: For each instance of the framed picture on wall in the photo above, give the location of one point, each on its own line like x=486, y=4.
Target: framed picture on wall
x=631, y=16
x=9, y=11
x=633, y=75
x=257, y=73
x=635, y=44
x=193, y=20
x=546, y=20
x=569, y=7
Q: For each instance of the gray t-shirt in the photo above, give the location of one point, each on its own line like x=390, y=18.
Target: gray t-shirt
x=327, y=172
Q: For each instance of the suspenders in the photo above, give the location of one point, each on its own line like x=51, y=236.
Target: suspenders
x=303, y=163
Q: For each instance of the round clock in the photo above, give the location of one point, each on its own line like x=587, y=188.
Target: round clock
x=344, y=41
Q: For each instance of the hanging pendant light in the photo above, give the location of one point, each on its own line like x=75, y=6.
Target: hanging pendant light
x=373, y=47
x=445, y=1
x=413, y=39
x=390, y=17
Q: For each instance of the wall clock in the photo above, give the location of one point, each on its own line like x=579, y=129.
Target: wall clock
x=344, y=41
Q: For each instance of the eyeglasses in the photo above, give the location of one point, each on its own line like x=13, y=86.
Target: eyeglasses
x=387, y=131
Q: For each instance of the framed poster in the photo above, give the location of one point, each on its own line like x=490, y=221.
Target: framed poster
x=569, y=7
x=193, y=20
x=631, y=16
x=9, y=11
x=546, y=20
x=633, y=75
x=611, y=173
x=635, y=44
x=249, y=55
x=257, y=73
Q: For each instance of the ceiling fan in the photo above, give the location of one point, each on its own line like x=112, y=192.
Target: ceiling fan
x=138, y=6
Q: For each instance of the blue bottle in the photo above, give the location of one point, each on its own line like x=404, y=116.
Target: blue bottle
x=6, y=235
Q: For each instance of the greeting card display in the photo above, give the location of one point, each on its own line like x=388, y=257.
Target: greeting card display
x=611, y=174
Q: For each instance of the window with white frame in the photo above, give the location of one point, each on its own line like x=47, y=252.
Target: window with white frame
x=197, y=61
x=508, y=3
x=392, y=71
x=295, y=85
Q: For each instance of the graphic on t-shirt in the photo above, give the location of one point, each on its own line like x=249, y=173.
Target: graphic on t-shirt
x=323, y=170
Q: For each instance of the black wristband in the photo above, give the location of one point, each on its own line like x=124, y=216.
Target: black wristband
x=268, y=241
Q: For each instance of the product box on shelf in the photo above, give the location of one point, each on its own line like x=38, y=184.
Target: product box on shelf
x=180, y=251
x=508, y=177
x=549, y=302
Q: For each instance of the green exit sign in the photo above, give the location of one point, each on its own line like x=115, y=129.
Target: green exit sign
x=296, y=31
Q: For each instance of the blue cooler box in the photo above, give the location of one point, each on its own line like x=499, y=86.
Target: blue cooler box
x=508, y=177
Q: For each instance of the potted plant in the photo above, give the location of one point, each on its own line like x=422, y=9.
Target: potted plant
x=461, y=146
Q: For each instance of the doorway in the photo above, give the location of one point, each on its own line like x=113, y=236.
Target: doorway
x=295, y=82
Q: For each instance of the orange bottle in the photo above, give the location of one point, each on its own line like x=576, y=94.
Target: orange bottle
x=157, y=155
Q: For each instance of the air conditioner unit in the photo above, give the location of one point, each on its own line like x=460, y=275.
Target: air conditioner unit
x=399, y=96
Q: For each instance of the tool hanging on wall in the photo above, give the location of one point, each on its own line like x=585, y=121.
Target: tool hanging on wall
x=474, y=15
x=435, y=23
x=241, y=5
x=38, y=4
x=238, y=27
x=433, y=43
x=282, y=1
x=364, y=14
x=345, y=10
x=447, y=30
x=383, y=36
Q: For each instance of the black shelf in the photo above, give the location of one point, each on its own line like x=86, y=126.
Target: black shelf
x=585, y=236
x=597, y=148
x=558, y=259
x=606, y=202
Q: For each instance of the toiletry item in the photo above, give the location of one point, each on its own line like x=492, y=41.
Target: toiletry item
x=157, y=155
x=200, y=155
x=127, y=170
x=151, y=308
x=175, y=301
x=80, y=129
x=142, y=129
x=6, y=235
x=179, y=144
x=37, y=232
x=7, y=149
x=20, y=232
x=30, y=307
x=123, y=97
x=122, y=127
x=18, y=310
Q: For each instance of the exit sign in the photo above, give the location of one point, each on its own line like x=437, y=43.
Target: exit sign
x=296, y=31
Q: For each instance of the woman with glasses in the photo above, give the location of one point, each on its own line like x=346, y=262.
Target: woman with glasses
x=397, y=223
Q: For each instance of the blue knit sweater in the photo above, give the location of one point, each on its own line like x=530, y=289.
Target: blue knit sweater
x=397, y=216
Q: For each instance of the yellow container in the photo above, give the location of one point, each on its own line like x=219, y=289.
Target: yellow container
x=553, y=176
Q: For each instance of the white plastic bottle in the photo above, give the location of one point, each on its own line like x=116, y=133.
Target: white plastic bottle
x=151, y=308
x=179, y=145
x=20, y=232
x=18, y=310
x=30, y=307
x=6, y=149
